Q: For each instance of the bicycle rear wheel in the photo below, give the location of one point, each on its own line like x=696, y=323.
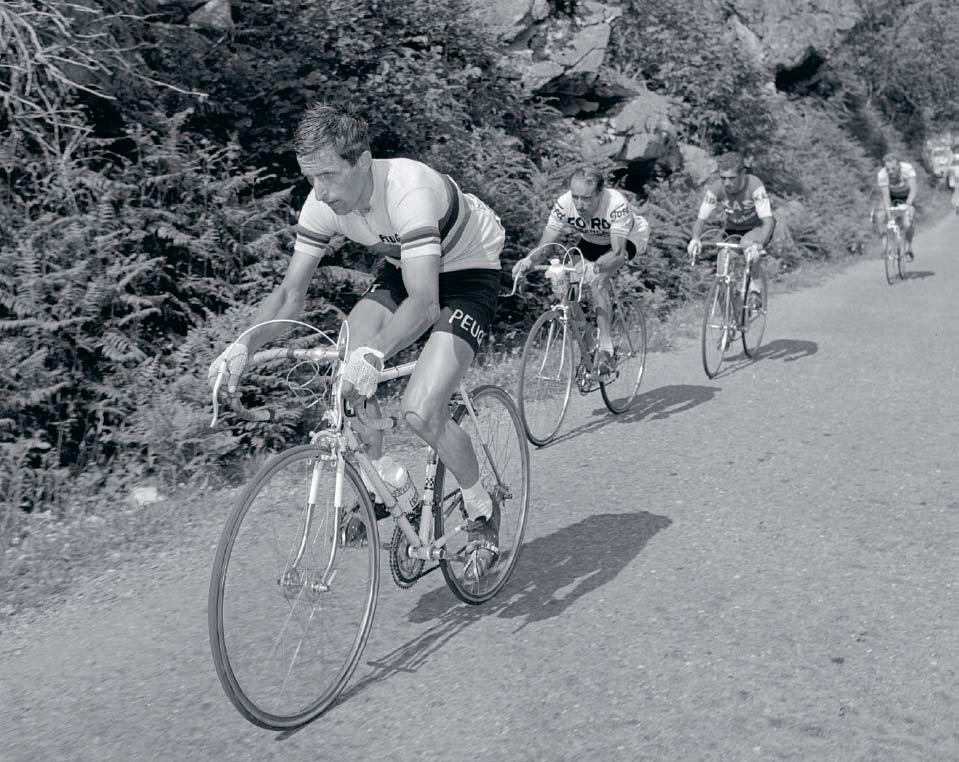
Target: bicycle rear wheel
x=716, y=325
x=292, y=596
x=889, y=255
x=754, y=317
x=503, y=454
x=546, y=377
x=629, y=357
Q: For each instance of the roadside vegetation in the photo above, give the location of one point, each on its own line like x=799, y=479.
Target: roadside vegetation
x=146, y=204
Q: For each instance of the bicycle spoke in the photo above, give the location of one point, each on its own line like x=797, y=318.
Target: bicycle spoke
x=629, y=357
x=715, y=334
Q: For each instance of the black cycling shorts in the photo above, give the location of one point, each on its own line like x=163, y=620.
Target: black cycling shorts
x=467, y=299
x=593, y=251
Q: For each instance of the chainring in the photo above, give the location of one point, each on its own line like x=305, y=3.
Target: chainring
x=405, y=569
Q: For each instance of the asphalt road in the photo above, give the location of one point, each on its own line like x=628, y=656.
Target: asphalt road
x=761, y=566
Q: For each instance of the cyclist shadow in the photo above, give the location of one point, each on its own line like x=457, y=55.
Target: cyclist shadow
x=553, y=572
x=918, y=274
x=784, y=350
x=656, y=404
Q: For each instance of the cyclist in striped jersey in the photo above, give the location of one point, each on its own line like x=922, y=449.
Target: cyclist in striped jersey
x=439, y=272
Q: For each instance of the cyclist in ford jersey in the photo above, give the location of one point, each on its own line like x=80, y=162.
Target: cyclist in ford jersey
x=746, y=207
x=440, y=271
x=611, y=233
x=898, y=186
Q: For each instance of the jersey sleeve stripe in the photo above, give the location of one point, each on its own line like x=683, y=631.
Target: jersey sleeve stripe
x=426, y=232
x=457, y=215
x=314, y=239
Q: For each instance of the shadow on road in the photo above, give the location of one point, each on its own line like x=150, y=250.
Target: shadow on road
x=553, y=572
x=655, y=404
x=787, y=350
x=918, y=274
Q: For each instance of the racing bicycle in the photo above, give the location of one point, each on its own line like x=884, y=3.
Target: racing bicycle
x=733, y=309
x=894, y=244
x=296, y=575
x=562, y=347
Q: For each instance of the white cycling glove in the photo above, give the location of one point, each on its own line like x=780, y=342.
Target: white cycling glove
x=231, y=363
x=694, y=247
x=359, y=371
x=589, y=273
x=752, y=252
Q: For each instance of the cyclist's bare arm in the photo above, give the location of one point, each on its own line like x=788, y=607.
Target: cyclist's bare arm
x=284, y=303
x=913, y=190
x=766, y=231
x=417, y=312
x=705, y=210
x=549, y=236
x=886, y=198
x=613, y=259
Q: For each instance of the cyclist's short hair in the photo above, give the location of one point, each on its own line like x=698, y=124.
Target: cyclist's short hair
x=589, y=174
x=731, y=160
x=891, y=156
x=325, y=126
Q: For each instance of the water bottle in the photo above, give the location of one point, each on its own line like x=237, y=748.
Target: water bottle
x=400, y=483
x=556, y=275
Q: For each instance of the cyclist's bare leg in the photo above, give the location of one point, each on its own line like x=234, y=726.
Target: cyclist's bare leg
x=439, y=369
x=365, y=320
x=603, y=305
x=753, y=238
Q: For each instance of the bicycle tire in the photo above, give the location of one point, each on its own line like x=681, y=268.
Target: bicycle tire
x=901, y=259
x=715, y=339
x=754, y=317
x=246, y=593
x=888, y=255
x=541, y=380
x=505, y=444
x=629, y=344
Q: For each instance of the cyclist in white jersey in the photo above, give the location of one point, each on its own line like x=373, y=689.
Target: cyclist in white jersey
x=611, y=233
x=440, y=272
x=897, y=185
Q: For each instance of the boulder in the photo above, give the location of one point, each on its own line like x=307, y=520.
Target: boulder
x=214, y=15
x=698, y=164
x=788, y=29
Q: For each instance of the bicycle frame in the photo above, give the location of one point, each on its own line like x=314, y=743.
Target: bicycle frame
x=344, y=444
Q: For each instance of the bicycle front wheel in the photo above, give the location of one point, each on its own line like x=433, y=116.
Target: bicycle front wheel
x=503, y=454
x=901, y=259
x=889, y=255
x=294, y=589
x=629, y=357
x=754, y=317
x=546, y=377
x=716, y=328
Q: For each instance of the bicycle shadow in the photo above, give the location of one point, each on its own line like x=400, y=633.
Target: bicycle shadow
x=553, y=573
x=656, y=404
x=918, y=274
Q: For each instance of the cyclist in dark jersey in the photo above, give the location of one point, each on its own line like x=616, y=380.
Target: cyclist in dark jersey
x=746, y=206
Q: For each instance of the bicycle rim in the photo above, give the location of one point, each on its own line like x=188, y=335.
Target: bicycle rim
x=889, y=254
x=546, y=377
x=503, y=454
x=901, y=260
x=715, y=328
x=629, y=355
x=287, y=636
x=754, y=317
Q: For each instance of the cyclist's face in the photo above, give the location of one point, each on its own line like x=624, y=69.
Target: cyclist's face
x=585, y=196
x=892, y=165
x=733, y=179
x=337, y=183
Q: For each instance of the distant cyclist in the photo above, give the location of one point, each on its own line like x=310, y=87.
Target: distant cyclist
x=898, y=186
x=611, y=233
x=748, y=211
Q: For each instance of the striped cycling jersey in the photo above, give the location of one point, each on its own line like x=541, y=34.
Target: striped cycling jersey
x=744, y=210
x=898, y=181
x=614, y=215
x=414, y=212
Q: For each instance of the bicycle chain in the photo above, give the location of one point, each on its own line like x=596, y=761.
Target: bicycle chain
x=405, y=570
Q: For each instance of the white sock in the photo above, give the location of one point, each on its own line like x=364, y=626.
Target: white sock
x=478, y=502
x=606, y=342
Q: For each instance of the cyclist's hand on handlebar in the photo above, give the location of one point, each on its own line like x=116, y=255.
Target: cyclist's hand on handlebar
x=361, y=373
x=693, y=248
x=522, y=267
x=752, y=252
x=227, y=368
